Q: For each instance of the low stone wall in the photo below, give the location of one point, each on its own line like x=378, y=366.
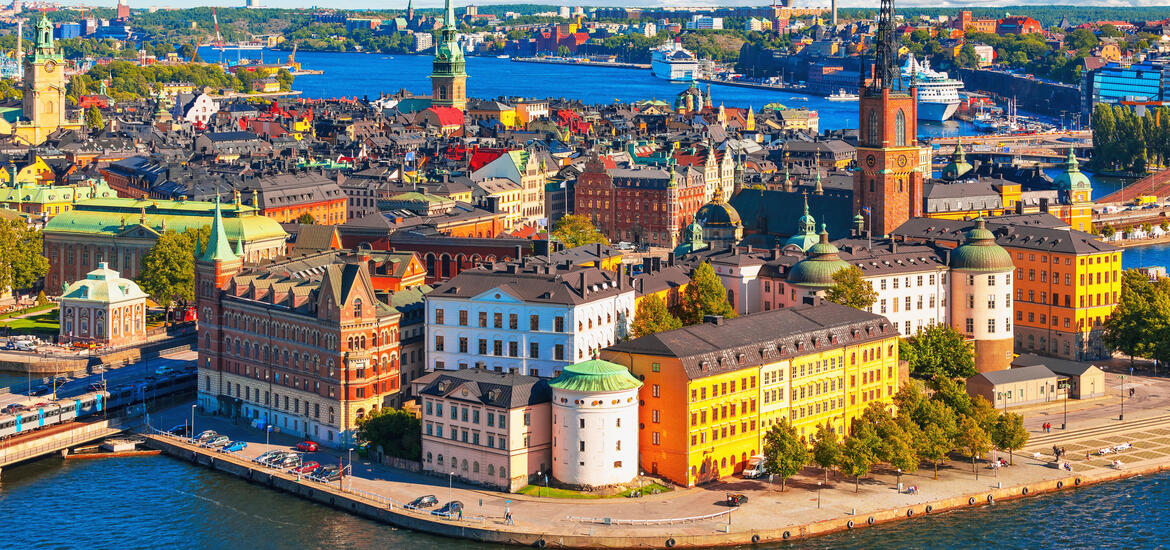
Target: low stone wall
x=330, y=495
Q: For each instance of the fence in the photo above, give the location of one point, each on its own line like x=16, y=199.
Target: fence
x=57, y=441
x=662, y=521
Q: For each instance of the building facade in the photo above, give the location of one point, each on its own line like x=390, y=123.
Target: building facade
x=639, y=204
x=595, y=424
x=104, y=309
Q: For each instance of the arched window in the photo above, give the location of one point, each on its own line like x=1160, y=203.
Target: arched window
x=875, y=139
x=900, y=129
x=357, y=307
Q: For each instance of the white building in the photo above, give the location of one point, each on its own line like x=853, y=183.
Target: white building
x=705, y=23
x=195, y=108
x=981, y=297
x=103, y=308
x=526, y=319
x=595, y=424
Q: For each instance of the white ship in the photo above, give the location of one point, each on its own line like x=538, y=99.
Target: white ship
x=842, y=95
x=674, y=63
x=938, y=93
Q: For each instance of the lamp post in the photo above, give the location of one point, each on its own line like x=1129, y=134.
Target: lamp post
x=973, y=467
x=191, y=435
x=1121, y=417
x=819, y=495
x=349, y=457
x=451, y=486
x=899, y=480
x=538, y=494
x=1064, y=423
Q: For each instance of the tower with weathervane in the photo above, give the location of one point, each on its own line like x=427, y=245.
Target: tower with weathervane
x=449, y=75
x=889, y=179
x=44, y=89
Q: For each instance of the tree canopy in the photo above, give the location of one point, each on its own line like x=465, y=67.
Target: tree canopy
x=1140, y=325
x=652, y=317
x=167, y=273
x=398, y=432
x=574, y=230
x=704, y=295
x=785, y=454
x=850, y=289
x=938, y=350
x=21, y=262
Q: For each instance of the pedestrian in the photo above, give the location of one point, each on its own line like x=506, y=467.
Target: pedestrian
x=1062, y=453
x=508, y=518
x=1088, y=457
x=460, y=514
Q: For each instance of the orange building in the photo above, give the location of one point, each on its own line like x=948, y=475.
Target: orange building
x=287, y=197
x=711, y=391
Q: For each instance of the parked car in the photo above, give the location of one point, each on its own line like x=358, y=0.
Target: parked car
x=24, y=345
x=755, y=467
x=290, y=460
x=274, y=458
x=180, y=430
x=235, y=446
x=450, y=509
x=736, y=499
x=206, y=435
x=163, y=370
x=306, y=468
x=40, y=390
x=425, y=501
x=11, y=408
x=217, y=441
x=307, y=446
x=264, y=456
x=327, y=473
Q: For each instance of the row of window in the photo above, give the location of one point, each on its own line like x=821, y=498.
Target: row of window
x=1056, y=320
x=470, y=415
x=1085, y=278
x=273, y=399
x=498, y=348
x=491, y=468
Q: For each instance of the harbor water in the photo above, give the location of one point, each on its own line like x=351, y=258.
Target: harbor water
x=159, y=502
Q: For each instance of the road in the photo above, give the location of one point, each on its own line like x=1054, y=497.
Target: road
x=112, y=377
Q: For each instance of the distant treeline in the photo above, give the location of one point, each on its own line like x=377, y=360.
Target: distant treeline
x=1047, y=15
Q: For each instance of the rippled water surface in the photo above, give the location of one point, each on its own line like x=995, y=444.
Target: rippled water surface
x=159, y=502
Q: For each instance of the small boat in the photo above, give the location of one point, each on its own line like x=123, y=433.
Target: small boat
x=798, y=98
x=841, y=95
x=505, y=56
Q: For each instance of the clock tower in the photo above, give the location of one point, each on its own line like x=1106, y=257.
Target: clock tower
x=889, y=177
x=44, y=89
x=449, y=75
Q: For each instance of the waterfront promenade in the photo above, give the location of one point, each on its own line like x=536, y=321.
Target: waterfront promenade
x=804, y=510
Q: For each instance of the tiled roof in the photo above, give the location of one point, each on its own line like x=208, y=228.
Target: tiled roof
x=494, y=389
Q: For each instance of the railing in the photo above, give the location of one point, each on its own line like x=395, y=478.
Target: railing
x=662, y=521
x=56, y=442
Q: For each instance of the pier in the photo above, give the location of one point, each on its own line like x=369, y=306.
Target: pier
x=57, y=439
x=579, y=61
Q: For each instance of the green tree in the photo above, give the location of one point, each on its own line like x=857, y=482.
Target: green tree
x=1110, y=30
x=1009, y=434
x=306, y=219
x=972, y=439
x=167, y=273
x=563, y=51
x=938, y=431
x=953, y=394
x=398, y=432
x=858, y=455
x=21, y=262
x=573, y=230
x=188, y=51
x=652, y=316
x=704, y=295
x=850, y=289
x=1108, y=231
x=784, y=452
x=93, y=118
x=1081, y=40
x=826, y=449
x=938, y=350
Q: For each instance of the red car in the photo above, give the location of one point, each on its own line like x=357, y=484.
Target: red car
x=307, y=446
x=307, y=468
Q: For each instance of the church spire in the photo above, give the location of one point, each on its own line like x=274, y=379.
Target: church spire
x=218, y=247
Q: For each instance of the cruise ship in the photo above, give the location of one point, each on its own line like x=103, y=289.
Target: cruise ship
x=674, y=63
x=938, y=93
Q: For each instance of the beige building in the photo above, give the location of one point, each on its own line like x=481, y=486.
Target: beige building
x=103, y=308
x=1018, y=386
x=44, y=91
x=1084, y=380
x=485, y=427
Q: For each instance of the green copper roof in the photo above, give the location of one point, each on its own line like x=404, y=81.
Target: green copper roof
x=807, y=236
x=595, y=376
x=958, y=165
x=117, y=216
x=44, y=194
x=103, y=285
x=1072, y=178
x=448, y=59
x=218, y=247
x=818, y=268
x=980, y=252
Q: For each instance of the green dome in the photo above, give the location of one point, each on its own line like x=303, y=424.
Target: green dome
x=718, y=213
x=958, y=165
x=595, y=376
x=818, y=268
x=1072, y=178
x=980, y=252
x=806, y=237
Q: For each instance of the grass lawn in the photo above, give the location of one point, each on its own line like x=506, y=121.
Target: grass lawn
x=553, y=492
x=44, y=323
x=29, y=310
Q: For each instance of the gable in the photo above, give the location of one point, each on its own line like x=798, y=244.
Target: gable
x=497, y=294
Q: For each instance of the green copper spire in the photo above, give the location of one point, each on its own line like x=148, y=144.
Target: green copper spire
x=44, y=48
x=449, y=59
x=218, y=247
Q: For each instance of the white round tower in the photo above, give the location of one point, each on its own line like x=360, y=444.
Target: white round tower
x=595, y=424
x=981, y=294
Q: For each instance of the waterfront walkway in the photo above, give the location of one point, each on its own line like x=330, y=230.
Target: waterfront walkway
x=808, y=507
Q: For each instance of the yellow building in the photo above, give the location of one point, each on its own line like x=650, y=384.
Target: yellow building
x=48, y=201
x=492, y=110
x=712, y=390
x=44, y=91
x=500, y=195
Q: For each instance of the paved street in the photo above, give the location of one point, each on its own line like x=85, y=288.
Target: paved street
x=113, y=377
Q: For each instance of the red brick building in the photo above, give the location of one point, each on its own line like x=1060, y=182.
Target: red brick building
x=888, y=182
x=301, y=343
x=639, y=204
x=1018, y=24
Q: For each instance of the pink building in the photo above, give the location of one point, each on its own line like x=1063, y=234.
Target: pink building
x=103, y=308
x=485, y=427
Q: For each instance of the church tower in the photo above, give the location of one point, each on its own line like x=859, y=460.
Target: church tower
x=44, y=88
x=214, y=269
x=889, y=180
x=448, y=75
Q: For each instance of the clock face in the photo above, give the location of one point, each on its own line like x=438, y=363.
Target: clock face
x=902, y=160
x=870, y=161
x=50, y=65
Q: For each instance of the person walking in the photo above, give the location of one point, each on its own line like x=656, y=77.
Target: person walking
x=508, y=518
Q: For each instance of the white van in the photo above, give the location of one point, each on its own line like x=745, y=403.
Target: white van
x=24, y=345
x=755, y=467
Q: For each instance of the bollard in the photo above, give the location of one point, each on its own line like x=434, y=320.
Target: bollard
x=853, y=511
x=999, y=485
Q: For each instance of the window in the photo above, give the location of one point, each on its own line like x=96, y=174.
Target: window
x=462, y=344
x=528, y=419
x=483, y=319
x=463, y=317
x=900, y=129
x=654, y=416
x=559, y=324
x=534, y=322
x=656, y=391
x=655, y=367
x=874, y=131
x=513, y=321
x=655, y=438
x=513, y=349
x=357, y=307
x=991, y=326
x=970, y=325
x=559, y=352
x=498, y=320
x=534, y=350
x=438, y=342
x=438, y=316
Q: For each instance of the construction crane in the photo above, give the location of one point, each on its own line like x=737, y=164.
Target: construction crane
x=218, y=37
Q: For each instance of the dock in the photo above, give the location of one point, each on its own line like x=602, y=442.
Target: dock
x=586, y=62
x=788, y=88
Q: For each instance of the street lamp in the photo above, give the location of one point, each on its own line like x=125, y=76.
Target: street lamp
x=973, y=468
x=191, y=435
x=1064, y=423
x=899, y=480
x=538, y=494
x=1121, y=417
x=349, y=457
x=451, y=486
x=818, y=495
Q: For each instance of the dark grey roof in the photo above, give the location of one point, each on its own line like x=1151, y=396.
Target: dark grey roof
x=1039, y=232
x=1019, y=374
x=534, y=283
x=494, y=389
x=1059, y=366
x=708, y=349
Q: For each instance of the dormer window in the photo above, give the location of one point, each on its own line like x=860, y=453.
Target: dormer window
x=357, y=307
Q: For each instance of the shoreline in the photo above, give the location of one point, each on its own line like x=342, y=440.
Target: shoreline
x=380, y=509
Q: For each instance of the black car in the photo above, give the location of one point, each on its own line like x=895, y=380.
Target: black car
x=326, y=474
x=180, y=430
x=451, y=509
x=41, y=390
x=425, y=501
x=736, y=499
